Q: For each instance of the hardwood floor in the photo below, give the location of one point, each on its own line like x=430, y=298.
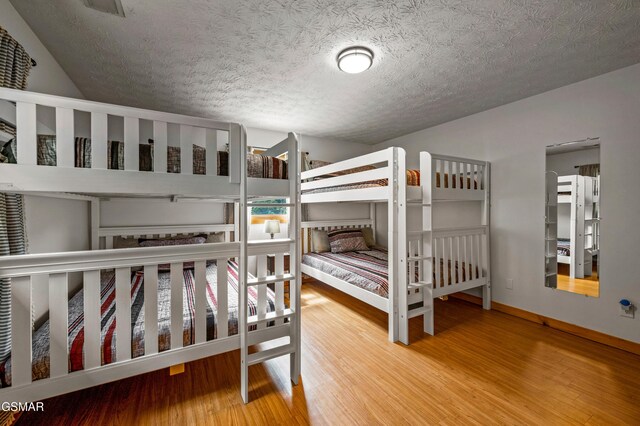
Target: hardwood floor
x=588, y=286
x=480, y=368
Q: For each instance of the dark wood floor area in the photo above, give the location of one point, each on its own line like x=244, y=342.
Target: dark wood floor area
x=480, y=368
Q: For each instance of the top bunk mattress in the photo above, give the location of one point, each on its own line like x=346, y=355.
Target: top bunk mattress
x=443, y=180
x=258, y=166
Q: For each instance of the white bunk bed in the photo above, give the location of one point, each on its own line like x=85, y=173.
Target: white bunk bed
x=581, y=194
x=415, y=273
x=53, y=270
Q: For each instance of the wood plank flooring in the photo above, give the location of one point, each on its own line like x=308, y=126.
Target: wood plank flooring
x=480, y=368
x=588, y=286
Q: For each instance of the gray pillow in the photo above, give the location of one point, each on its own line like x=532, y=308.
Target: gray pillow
x=320, y=241
x=215, y=237
x=343, y=240
x=122, y=243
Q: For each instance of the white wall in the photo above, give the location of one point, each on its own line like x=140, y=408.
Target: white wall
x=48, y=76
x=513, y=137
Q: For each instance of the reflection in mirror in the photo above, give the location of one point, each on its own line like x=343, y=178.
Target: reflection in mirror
x=572, y=217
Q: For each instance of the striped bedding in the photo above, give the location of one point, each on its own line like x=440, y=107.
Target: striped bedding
x=413, y=179
x=40, y=365
x=369, y=270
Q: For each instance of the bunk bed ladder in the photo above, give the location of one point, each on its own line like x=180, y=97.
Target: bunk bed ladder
x=289, y=317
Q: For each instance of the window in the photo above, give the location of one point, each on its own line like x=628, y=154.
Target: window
x=260, y=214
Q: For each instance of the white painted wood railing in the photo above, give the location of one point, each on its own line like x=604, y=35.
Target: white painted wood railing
x=455, y=260
x=320, y=178
x=23, y=269
x=192, y=131
x=454, y=178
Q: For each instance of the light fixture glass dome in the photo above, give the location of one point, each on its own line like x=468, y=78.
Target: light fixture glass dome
x=354, y=60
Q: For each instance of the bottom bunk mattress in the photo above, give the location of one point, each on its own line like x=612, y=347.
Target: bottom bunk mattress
x=369, y=270
x=40, y=364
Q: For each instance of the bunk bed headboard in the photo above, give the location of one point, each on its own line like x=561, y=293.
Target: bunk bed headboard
x=307, y=227
x=107, y=235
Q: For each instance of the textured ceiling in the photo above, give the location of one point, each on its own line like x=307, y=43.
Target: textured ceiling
x=271, y=64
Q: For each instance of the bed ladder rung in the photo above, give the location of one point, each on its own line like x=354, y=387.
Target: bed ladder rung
x=267, y=243
x=270, y=279
x=418, y=311
x=262, y=356
x=270, y=316
x=420, y=284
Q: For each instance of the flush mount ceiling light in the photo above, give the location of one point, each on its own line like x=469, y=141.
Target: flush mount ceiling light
x=354, y=60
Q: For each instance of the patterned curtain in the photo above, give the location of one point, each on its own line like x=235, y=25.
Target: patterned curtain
x=592, y=170
x=15, y=65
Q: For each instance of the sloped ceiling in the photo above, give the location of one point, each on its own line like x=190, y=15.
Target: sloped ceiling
x=271, y=64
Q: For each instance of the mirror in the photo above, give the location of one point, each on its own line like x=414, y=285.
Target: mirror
x=572, y=217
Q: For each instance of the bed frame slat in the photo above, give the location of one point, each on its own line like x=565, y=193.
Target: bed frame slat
x=92, y=318
x=150, y=309
x=200, y=295
x=21, y=331
x=58, y=325
x=186, y=150
x=211, y=144
x=223, y=297
x=26, y=133
x=123, y=314
x=65, y=145
x=445, y=262
x=177, y=282
x=99, y=136
x=261, y=261
x=131, y=143
x=279, y=270
x=159, y=147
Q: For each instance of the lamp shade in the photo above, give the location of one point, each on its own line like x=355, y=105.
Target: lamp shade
x=272, y=226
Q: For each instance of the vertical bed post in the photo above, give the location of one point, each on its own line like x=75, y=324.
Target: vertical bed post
x=486, y=221
x=238, y=138
x=427, y=180
x=294, y=255
x=578, y=227
x=401, y=257
x=397, y=308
